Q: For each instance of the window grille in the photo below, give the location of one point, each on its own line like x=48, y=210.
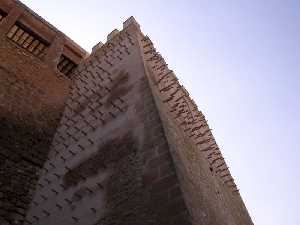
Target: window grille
x=28, y=39
x=66, y=65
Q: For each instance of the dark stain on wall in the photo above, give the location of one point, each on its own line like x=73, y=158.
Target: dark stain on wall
x=108, y=153
x=129, y=199
x=23, y=151
x=119, y=87
x=126, y=198
x=95, y=97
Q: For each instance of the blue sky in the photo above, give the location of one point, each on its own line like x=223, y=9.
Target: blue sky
x=240, y=61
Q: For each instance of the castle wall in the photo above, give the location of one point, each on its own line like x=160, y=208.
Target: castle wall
x=32, y=97
x=110, y=161
x=208, y=188
x=117, y=142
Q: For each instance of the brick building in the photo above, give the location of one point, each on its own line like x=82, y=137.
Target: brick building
x=104, y=138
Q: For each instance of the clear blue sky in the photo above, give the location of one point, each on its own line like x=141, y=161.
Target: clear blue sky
x=240, y=61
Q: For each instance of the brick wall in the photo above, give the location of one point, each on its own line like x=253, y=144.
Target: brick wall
x=131, y=146
x=32, y=97
x=110, y=161
x=208, y=188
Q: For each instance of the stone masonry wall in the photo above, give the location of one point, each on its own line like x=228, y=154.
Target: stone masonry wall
x=209, y=190
x=109, y=162
x=32, y=98
x=131, y=147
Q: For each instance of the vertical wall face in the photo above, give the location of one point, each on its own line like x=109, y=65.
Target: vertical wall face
x=110, y=161
x=209, y=190
x=32, y=97
x=26, y=129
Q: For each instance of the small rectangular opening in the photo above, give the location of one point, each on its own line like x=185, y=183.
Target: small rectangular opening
x=2, y=14
x=66, y=65
x=27, y=39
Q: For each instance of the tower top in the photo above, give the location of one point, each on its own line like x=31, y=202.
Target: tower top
x=131, y=20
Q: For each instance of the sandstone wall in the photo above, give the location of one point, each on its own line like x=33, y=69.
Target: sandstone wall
x=32, y=97
x=110, y=161
x=209, y=190
x=131, y=147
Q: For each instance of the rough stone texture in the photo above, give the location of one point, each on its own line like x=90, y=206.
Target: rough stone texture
x=110, y=161
x=29, y=113
x=208, y=188
x=131, y=146
x=32, y=97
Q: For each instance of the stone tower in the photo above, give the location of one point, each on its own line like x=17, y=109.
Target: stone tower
x=109, y=138
x=132, y=147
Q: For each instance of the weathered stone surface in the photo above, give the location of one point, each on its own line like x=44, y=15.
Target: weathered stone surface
x=32, y=98
x=120, y=170
x=122, y=143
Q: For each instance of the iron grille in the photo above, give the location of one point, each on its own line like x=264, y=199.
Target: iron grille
x=66, y=65
x=28, y=39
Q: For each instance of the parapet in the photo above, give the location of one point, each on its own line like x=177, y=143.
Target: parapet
x=112, y=34
x=130, y=21
x=97, y=46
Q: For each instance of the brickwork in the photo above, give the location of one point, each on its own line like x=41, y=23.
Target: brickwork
x=25, y=131
x=120, y=143
x=32, y=97
x=110, y=161
x=209, y=189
